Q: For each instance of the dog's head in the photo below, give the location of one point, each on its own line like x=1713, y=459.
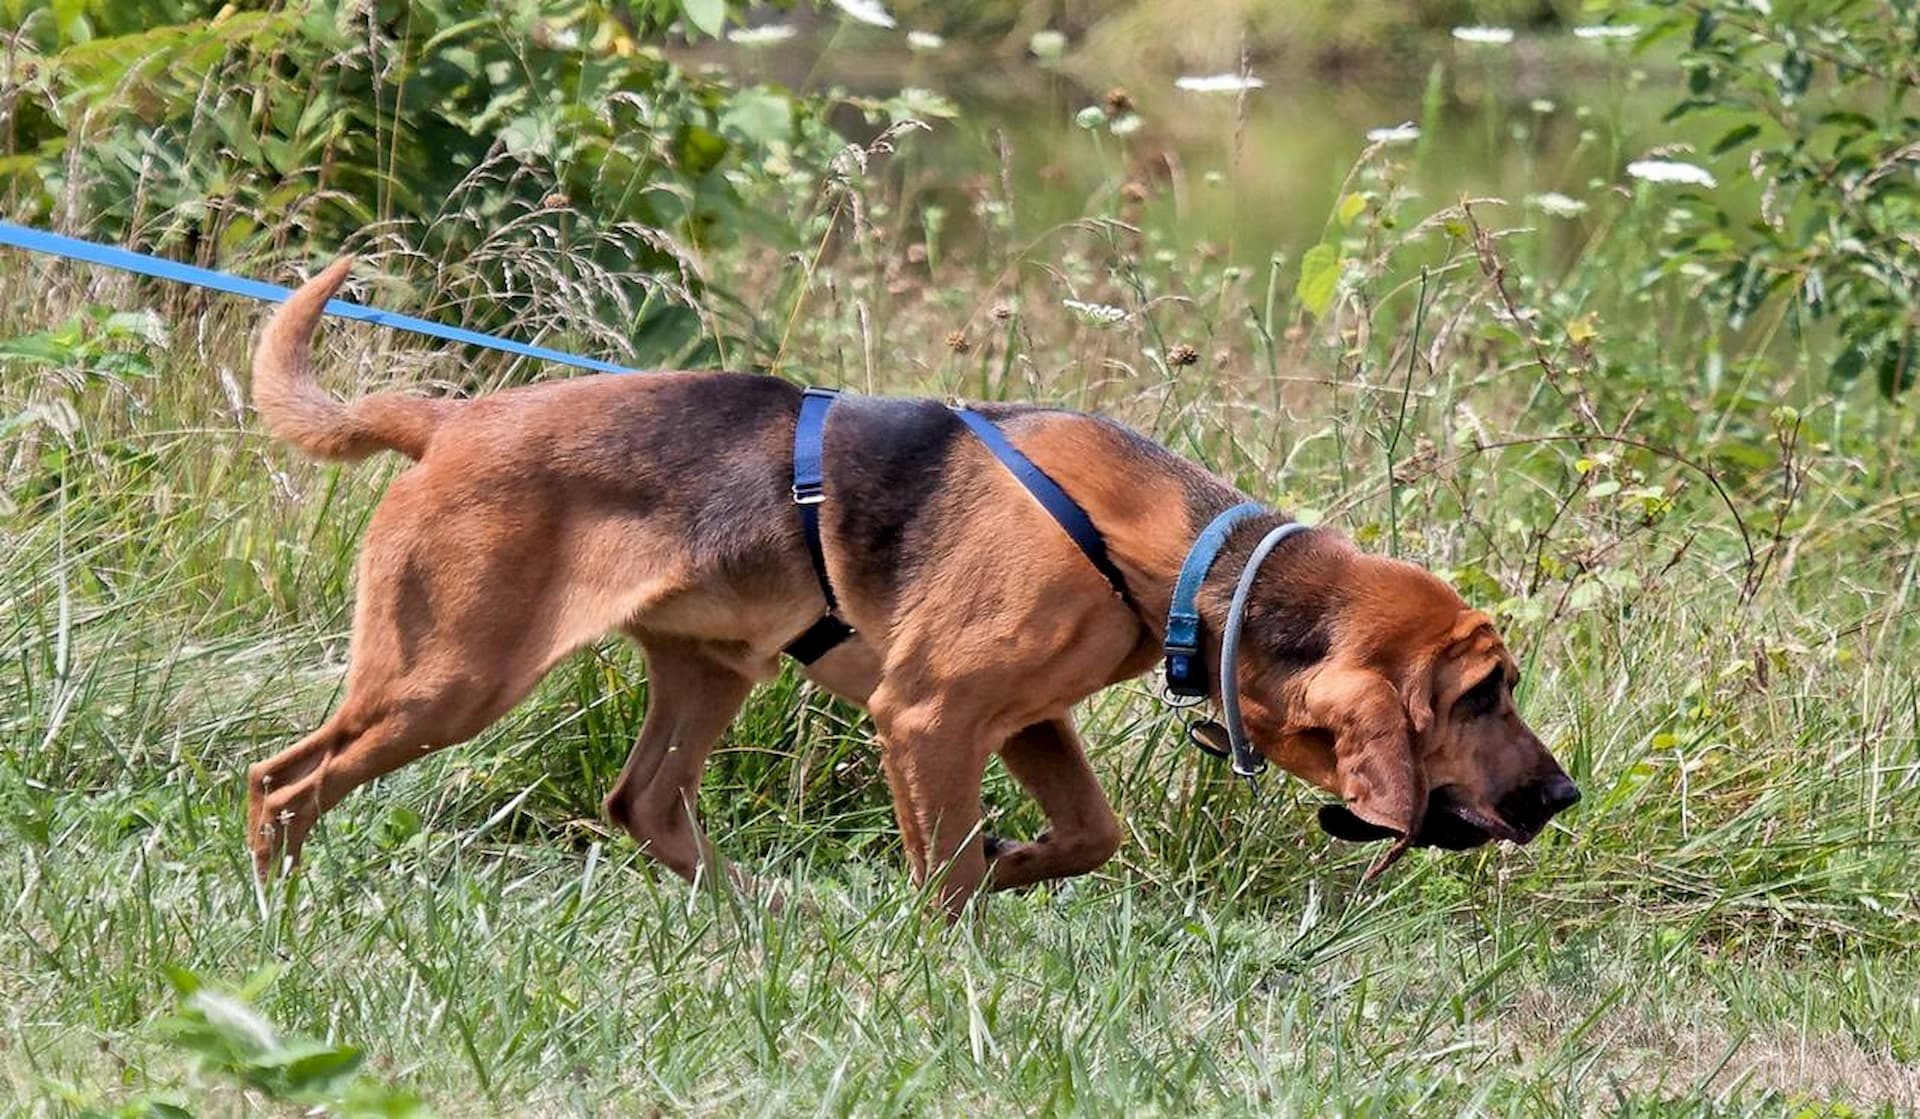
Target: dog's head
x=1410, y=719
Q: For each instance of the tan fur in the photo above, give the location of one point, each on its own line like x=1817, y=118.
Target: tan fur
x=537, y=520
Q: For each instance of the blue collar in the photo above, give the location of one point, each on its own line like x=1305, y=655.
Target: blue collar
x=1186, y=674
x=1186, y=671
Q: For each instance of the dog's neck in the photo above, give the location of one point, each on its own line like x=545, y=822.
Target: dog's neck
x=1150, y=504
x=1152, y=525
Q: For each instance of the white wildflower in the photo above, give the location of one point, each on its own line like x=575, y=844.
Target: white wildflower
x=1091, y=117
x=1219, y=83
x=1542, y=105
x=1604, y=31
x=762, y=36
x=1126, y=124
x=1048, y=46
x=1555, y=204
x=1484, y=36
x=1671, y=171
x=1095, y=314
x=924, y=41
x=1405, y=133
x=866, y=11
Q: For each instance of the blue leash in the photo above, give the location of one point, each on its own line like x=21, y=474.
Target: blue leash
x=1185, y=677
x=72, y=248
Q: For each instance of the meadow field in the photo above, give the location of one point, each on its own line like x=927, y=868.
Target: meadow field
x=1616, y=332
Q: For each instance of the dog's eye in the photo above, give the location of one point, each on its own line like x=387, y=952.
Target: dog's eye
x=1481, y=699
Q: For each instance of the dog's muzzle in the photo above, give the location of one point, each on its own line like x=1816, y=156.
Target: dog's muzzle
x=1452, y=825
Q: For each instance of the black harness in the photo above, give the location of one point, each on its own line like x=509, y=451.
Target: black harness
x=1186, y=677
x=809, y=491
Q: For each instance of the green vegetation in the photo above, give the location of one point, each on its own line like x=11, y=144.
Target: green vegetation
x=1666, y=430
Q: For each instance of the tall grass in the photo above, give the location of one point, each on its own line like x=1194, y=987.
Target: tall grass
x=1705, y=560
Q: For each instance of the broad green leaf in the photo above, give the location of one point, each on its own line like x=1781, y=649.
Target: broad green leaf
x=312, y=1067
x=762, y=117
x=707, y=15
x=1849, y=365
x=1351, y=206
x=1319, y=278
x=1845, y=118
x=698, y=150
x=37, y=347
x=1897, y=371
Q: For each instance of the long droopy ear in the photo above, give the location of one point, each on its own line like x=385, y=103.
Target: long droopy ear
x=1374, y=763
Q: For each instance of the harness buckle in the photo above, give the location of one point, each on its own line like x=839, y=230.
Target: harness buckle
x=809, y=493
x=1177, y=678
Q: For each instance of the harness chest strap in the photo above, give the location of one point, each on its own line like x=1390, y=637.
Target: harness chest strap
x=1065, y=511
x=809, y=491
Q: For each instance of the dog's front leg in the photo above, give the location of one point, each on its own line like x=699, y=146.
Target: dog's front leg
x=934, y=753
x=1051, y=764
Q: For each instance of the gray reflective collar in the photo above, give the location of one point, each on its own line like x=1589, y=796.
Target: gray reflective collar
x=1247, y=761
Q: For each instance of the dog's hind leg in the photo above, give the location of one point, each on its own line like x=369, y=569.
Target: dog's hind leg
x=1050, y=763
x=398, y=708
x=692, y=696
x=367, y=737
x=461, y=608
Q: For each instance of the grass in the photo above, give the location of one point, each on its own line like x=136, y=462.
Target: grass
x=1726, y=925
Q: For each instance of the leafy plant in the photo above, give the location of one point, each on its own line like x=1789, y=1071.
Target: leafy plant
x=98, y=342
x=544, y=140
x=1815, y=102
x=230, y=1039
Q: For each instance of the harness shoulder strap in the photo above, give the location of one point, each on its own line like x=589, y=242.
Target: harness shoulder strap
x=1186, y=670
x=809, y=490
x=1063, y=509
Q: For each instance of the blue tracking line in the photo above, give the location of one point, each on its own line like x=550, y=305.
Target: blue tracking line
x=72, y=248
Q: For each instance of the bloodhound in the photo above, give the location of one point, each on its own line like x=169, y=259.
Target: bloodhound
x=539, y=518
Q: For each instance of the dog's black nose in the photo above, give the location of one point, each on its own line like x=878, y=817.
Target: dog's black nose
x=1557, y=794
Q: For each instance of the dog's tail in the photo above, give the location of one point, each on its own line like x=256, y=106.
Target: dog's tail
x=299, y=412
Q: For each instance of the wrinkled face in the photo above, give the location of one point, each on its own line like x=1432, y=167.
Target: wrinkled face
x=1478, y=771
